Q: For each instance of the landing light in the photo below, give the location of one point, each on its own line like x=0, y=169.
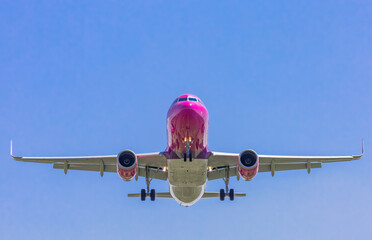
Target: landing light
x=187, y=139
x=210, y=169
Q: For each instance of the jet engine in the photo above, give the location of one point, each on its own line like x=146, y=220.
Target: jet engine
x=127, y=165
x=248, y=164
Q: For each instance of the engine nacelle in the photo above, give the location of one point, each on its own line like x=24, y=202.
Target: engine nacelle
x=248, y=164
x=126, y=163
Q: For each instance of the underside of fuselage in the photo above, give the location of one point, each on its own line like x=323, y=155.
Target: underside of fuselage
x=186, y=196
x=187, y=180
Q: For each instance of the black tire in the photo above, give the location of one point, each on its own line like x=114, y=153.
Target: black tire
x=152, y=194
x=190, y=157
x=184, y=157
x=231, y=194
x=222, y=194
x=143, y=194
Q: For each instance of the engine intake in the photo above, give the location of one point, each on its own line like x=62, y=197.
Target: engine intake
x=248, y=164
x=127, y=165
x=248, y=159
x=126, y=159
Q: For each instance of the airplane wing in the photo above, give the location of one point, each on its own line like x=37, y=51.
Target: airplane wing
x=219, y=163
x=107, y=163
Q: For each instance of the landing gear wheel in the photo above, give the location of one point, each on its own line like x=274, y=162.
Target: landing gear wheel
x=184, y=157
x=190, y=157
x=143, y=194
x=231, y=194
x=152, y=195
x=222, y=194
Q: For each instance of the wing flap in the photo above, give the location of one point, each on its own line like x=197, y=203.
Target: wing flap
x=287, y=166
x=86, y=167
x=153, y=173
x=233, y=171
x=221, y=173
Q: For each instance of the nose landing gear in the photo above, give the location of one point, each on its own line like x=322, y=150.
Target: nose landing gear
x=188, y=153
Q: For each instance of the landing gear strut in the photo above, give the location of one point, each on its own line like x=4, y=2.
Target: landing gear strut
x=147, y=192
x=188, y=153
x=226, y=179
x=185, y=157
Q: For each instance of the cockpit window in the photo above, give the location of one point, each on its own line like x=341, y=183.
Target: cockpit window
x=192, y=99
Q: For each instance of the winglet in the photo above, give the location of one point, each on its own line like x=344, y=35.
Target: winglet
x=11, y=148
x=356, y=157
x=11, y=151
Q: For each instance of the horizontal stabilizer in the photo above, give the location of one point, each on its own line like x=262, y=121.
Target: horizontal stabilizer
x=205, y=195
x=217, y=195
x=157, y=195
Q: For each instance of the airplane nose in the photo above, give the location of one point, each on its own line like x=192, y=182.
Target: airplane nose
x=190, y=108
x=189, y=120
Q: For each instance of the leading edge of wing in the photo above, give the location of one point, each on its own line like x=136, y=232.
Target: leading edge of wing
x=156, y=159
x=59, y=159
x=78, y=159
x=220, y=159
x=325, y=159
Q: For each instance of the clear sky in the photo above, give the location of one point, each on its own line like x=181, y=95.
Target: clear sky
x=97, y=77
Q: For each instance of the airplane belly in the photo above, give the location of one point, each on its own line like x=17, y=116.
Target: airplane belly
x=187, y=174
x=187, y=196
x=187, y=180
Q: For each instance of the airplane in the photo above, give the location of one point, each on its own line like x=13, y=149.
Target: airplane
x=187, y=162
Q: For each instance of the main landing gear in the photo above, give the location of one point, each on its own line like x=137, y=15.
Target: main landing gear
x=229, y=193
x=147, y=192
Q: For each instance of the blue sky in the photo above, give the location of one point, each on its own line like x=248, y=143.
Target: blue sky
x=94, y=78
